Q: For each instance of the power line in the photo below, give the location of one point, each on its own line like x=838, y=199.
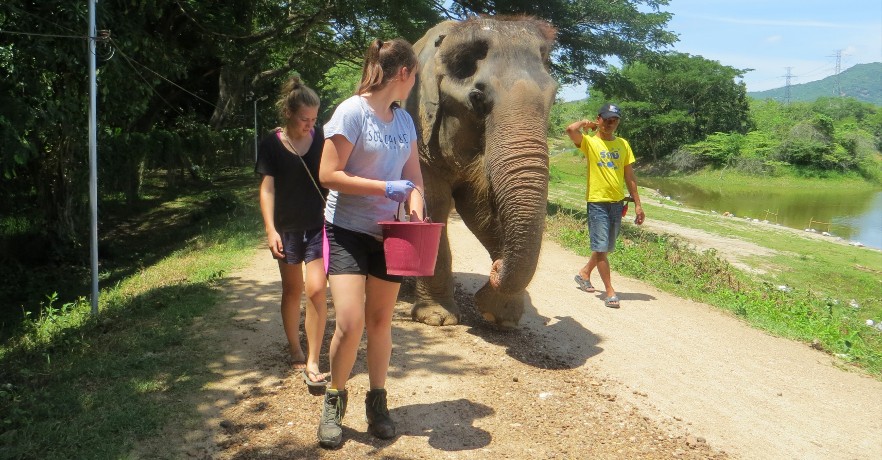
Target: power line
x=823, y=69
x=104, y=36
x=38, y=17
x=132, y=61
x=13, y=32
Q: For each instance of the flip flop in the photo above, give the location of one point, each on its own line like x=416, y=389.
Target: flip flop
x=315, y=384
x=584, y=284
x=611, y=301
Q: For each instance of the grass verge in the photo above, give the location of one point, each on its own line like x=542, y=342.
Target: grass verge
x=74, y=385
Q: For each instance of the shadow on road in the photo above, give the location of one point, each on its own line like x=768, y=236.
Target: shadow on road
x=542, y=342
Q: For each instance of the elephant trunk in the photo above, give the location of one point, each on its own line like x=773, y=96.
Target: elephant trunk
x=517, y=166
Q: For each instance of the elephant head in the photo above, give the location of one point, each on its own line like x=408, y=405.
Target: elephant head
x=482, y=102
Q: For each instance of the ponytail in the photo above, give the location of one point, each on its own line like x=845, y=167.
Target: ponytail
x=382, y=61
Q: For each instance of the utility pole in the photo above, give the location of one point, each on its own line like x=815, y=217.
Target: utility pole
x=92, y=50
x=256, y=100
x=787, y=77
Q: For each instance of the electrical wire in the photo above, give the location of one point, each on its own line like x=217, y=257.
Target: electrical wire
x=132, y=61
x=12, y=32
x=41, y=18
x=202, y=28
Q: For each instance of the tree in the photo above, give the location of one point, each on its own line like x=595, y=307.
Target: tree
x=675, y=98
x=43, y=113
x=590, y=31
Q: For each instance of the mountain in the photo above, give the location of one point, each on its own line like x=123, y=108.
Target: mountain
x=862, y=82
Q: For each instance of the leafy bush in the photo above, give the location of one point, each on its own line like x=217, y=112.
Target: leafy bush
x=719, y=149
x=810, y=143
x=683, y=160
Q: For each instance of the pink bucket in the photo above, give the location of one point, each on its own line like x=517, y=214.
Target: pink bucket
x=411, y=248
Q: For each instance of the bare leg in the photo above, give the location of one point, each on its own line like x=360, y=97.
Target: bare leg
x=348, y=292
x=381, y=296
x=602, y=264
x=292, y=289
x=316, y=315
x=585, y=272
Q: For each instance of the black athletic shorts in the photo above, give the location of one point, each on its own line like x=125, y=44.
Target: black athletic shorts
x=356, y=253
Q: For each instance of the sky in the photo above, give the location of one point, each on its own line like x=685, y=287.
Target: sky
x=771, y=35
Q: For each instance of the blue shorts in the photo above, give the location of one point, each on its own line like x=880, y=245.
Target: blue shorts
x=356, y=253
x=604, y=223
x=302, y=246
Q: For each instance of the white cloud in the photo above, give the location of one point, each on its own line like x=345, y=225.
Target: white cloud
x=780, y=22
x=773, y=39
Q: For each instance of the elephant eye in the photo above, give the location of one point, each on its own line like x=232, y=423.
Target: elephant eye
x=462, y=60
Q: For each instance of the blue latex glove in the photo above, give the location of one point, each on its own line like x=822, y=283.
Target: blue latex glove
x=399, y=190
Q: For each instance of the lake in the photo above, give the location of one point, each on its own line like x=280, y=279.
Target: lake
x=852, y=215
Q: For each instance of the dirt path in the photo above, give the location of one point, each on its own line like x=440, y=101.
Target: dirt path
x=661, y=377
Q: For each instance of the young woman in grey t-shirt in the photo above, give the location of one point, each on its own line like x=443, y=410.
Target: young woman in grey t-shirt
x=370, y=163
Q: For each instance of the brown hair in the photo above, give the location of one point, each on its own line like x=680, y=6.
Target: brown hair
x=382, y=61
x=294, y=95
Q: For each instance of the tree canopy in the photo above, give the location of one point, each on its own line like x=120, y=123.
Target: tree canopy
x=676, y=98
x=178, y=80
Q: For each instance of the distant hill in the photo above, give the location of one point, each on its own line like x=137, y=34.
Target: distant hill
x=862, y=82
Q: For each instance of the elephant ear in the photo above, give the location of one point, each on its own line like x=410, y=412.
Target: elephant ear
x=424, y=100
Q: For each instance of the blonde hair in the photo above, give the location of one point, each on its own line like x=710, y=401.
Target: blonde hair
x=382, y=61
x=294, y=95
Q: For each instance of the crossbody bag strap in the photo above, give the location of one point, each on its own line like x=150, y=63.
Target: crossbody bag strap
x=311, y=177
x=314, y=182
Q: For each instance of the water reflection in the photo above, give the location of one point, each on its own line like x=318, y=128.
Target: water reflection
x=852, y=215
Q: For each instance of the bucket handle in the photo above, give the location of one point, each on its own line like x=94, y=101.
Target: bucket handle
x=426, y=217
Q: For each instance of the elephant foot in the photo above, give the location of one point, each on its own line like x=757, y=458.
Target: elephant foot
x=435, y=314
x=503, y=310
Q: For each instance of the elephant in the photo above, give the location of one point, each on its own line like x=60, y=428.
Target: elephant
x=480, y=104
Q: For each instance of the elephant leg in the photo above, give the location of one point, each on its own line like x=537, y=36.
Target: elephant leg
x=434, y=303
x=501, y=308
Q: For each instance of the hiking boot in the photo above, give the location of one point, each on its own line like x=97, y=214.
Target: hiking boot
x=380, y=424
x=330, y=430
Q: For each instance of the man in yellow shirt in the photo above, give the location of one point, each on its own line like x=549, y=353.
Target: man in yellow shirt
x=610, y=169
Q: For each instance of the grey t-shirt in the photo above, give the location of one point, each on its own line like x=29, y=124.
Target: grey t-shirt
x=379, y=152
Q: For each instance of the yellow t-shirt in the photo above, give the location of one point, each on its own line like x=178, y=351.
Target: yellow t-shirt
x=606, y=168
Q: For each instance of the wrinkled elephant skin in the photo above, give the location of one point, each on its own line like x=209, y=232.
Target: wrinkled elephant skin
x=481, y=107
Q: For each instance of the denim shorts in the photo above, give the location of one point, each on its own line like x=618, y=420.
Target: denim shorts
x=604, y=223
x=356, y=253
x=302, y=246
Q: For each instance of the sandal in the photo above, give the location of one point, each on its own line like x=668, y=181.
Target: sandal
x=315, y=383
x=584, y=284
x=611, y=301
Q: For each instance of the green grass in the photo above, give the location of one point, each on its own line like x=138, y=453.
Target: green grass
x=74, y=385
x=826, y=268
x=823, y=277
x=738, y=182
